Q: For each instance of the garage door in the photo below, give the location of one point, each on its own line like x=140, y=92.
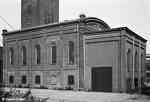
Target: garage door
x=102, y=79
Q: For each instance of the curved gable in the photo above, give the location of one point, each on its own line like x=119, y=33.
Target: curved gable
x=96, y=23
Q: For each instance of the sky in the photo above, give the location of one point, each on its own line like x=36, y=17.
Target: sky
x=134, y=14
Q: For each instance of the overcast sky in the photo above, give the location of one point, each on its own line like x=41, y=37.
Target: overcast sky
x=134, y=14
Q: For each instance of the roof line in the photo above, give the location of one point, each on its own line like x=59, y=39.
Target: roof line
x=118, y=29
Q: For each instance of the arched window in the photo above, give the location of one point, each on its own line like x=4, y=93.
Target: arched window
x=142, y=62
x=136, y=61
x=11, y=56
x=24, y=79
x=54, y=54
x=37, y=79
x=24, y=55
x=11, y=79
x=71, y=80
x=37, y=54
x=129, y=60
x=71, y=52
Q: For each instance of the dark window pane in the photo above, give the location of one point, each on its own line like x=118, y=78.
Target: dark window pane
x=129, y=60
x=71, y=52
x=37, y=79
x=136, y=83
x=54, y=55
x=24, y=55
x=24, y=79
x=128, y=84
x=11, y=79
x=70, y=80
x=38, y=54
x=11, y=56
x=136, y=62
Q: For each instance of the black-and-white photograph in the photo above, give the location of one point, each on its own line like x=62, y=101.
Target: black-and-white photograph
x=74, y=50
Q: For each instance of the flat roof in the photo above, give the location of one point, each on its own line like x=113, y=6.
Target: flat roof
x=118, y=29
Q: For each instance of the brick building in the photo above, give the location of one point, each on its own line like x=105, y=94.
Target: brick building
x=82, y=54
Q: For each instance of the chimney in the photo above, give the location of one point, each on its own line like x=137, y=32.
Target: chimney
x=4, y=31
x=82, y=16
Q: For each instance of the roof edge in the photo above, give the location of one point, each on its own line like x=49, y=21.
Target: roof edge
x=119, y=29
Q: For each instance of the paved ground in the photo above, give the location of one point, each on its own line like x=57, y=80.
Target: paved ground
x=76, y=96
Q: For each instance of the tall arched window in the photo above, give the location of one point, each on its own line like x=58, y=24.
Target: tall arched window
x=54, y=54
x=11, y=56
x=142, y=70
x=24, y=55
x=142, y=62
x=71, y=52
x=136, y=61
x=129, y=60
x=37, y=54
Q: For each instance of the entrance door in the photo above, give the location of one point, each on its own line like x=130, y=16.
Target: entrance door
x=102, y=79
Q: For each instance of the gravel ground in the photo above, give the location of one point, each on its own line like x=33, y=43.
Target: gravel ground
x=80, y=96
